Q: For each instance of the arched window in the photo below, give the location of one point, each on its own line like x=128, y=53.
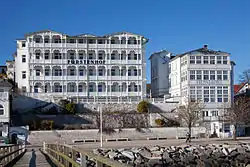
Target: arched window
x=1, y=110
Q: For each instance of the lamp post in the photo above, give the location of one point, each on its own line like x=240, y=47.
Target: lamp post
x=100, y=110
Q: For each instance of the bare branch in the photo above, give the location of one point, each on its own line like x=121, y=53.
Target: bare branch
x=245, y=76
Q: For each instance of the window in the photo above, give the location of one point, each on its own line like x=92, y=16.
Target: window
x=72, y=55
x=219, y=75
x=224, y=59
x=219, y=94
x=90, y=56
x=198, y=59
x=192, y=75
x=1, y=110
x=212, y=59
x=135, y=56
x=225, y=75
x=205, y=60
x=46, y=55
x=71, y=72
x=23, y=74
x=23, y=44
x=46, y=40
x=24, y=89
x=46, y=72
x=192, y=60
x=218, y=59
x=71, y=88
x=212, y=75
x=101, y=41
x=112, y=56
x=199, y=75
x=100, y=56
x=23, y=58
x=37, y=55
x=58, y=88
x=199, y=93
x=58, y=72
x=112, y=72
x=57, y=55
x=206, y=75
x=99, y=88
x=91, y=72
x=80, y=88
x=205, y=114
x=81, y=56
x=129, y=72
x=91, y=88
x=80, y=41
x=38, y=72
x=225, y=94
x=135, y=72
x=214, y=113
x=206, y=94
x=36, y=89
x=212, y=94
x=192, y=94
x=81, y=72
x=100, y=72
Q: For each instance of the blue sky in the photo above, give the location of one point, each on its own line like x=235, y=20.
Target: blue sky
x=176, y=25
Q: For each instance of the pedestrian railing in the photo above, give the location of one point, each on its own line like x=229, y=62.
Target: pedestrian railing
x=9, y=153
x=69, y=156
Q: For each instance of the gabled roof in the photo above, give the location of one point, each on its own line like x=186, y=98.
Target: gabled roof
x=42, y=31
x=237, y=88
x=159, y=54
x=121, y=33
x=203, y=50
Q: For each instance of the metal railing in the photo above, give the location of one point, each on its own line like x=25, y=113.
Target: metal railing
x=68, y=156
x=8, y=153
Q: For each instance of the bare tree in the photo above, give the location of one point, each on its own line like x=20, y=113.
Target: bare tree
x=190, y=113
x=245, y=76
x=238, y=113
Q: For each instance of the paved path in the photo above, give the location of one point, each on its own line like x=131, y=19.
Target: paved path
x=34, y=158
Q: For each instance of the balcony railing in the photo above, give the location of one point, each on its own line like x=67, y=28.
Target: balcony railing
x=4, y=95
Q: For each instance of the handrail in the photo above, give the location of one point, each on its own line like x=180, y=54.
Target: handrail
x=8, y=153
x=65, y=155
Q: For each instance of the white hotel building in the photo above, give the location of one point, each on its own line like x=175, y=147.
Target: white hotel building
x=56, y=65
x=205, y=75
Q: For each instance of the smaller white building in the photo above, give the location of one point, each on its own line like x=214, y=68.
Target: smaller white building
x=5, y=88
x=160, y=73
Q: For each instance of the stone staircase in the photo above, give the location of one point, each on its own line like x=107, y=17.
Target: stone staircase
x=34, y=158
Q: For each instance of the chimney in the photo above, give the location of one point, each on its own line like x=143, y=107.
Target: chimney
x=205, y=46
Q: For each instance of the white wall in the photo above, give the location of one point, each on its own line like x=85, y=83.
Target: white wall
x=19, y=66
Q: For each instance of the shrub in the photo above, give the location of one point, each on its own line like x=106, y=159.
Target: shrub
x=160, y=122
x=46, y=125
x=68, y=107
x=142, y=107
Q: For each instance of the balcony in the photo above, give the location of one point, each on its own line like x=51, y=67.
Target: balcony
x=56, y=45
x=4, y=95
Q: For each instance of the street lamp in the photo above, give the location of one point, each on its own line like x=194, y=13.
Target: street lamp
x=99, y=109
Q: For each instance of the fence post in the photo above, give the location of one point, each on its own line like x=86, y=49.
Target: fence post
x=44, y=146
x=83, y=160
x=99, y=164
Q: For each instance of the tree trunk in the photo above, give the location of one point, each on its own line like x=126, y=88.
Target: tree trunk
x=189, y=129
x=235, y=131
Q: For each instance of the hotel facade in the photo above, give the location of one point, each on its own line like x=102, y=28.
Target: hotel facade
x=205, y=75
x=56, y=65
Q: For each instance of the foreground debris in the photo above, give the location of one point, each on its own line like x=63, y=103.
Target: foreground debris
x=180, y=156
